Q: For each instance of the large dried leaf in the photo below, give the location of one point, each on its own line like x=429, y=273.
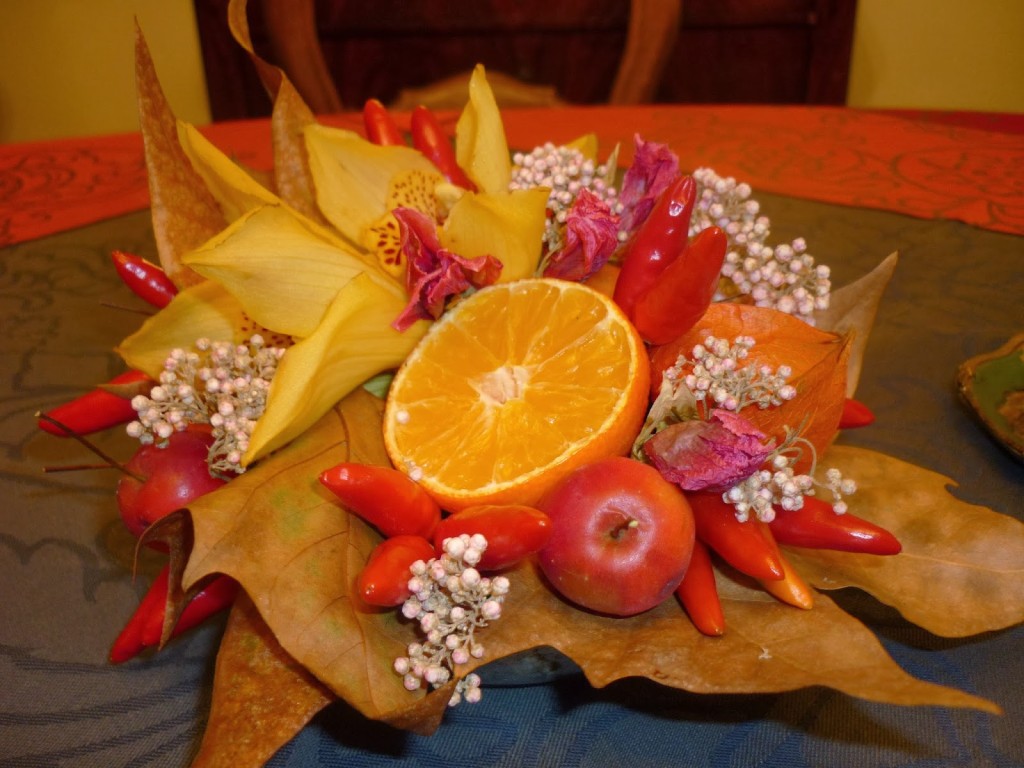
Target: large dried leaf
x=852, y=311
x=296, y=552
x=769, y=647
x=292, y=175
x=292, y=178
x=261, y=696
x=961, y=570
x=184, y=213
x=238, y=23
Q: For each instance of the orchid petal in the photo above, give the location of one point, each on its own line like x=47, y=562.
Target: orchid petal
x=205, y=310
x=585, y=144
x=283, y=274
x=481, y=148
x=509, y=227
x=231, y=186
x=353, y=177
x=353, y=343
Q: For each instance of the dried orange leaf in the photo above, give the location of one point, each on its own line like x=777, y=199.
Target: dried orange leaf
x=769, y=647
x=184, y=212
x=961, y=571
x=261, y=696
x=296, y=552
x=238, y=23
x=852, y=311
x=292, y=175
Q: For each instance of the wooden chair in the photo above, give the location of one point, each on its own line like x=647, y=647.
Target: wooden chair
x=292, y=31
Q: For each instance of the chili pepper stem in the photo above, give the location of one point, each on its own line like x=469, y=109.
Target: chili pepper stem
x=123, y=308
x=110, y=460
x=77, y=468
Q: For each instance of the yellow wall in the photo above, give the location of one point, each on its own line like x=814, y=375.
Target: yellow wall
x=66, y=65
x=939, y=54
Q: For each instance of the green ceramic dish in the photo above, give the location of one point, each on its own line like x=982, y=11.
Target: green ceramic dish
x=993, y=386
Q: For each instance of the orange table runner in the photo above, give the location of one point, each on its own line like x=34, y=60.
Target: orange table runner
x=905, y=163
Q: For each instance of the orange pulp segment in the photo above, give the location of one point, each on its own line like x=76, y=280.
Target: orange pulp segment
x=512, y=389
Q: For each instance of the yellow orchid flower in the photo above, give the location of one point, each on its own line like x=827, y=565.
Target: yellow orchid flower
x=331, y=294
x=205, y=310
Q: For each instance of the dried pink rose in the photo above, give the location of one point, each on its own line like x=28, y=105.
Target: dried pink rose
x=435, y=274
x=591, y=235
x=654, y=168
x=712, y=455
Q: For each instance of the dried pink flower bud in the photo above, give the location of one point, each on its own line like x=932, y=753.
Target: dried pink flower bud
x=591, y=235
x=435, y=274
x=711, y=455
x=654, y=168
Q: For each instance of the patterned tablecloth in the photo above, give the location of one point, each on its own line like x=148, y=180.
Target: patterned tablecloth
x=65, y=559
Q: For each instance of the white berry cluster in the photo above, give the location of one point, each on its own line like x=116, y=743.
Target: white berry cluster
x=774, y=484
x=783, y=277
x=777, y=485
x=565, y=170
x=451, y=601
x=717, y=377
x=221, y=384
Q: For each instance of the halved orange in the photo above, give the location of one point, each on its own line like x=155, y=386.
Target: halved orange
x=512, y=389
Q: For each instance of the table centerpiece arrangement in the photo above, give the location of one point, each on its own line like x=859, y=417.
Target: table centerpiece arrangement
x=412, y=405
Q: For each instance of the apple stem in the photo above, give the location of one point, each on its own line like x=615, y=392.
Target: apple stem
x=123, y=308
x=110, y=460
x=619, y=531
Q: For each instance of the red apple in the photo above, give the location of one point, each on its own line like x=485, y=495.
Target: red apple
x=621, y=537
x=172, y=477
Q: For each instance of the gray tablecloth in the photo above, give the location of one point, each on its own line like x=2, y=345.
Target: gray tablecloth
x=67, y=586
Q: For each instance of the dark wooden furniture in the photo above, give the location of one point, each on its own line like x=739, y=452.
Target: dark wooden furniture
x=726, y=51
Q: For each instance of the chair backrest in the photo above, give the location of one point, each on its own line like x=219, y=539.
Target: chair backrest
x=292, y=31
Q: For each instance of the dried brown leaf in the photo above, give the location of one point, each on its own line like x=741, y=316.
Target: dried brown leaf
x=261, y=696
x=185, y=214
x=296, y=552
x=292, y=178
x=852, y=311
x=769, y=647
x=961, y=571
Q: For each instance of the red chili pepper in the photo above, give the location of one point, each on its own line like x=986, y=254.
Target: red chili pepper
x=748, y=546
x=95, y=410
x=385, y=578
x=658, y=241
x=512, y=531
x=681, y=295
x=430, y=139
x=817, y=526
x=385, y=498
x=855, y=414
x=145, y=626
x=146, y=280
x=380, y=126
x=791, y=588
x=699, y=594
